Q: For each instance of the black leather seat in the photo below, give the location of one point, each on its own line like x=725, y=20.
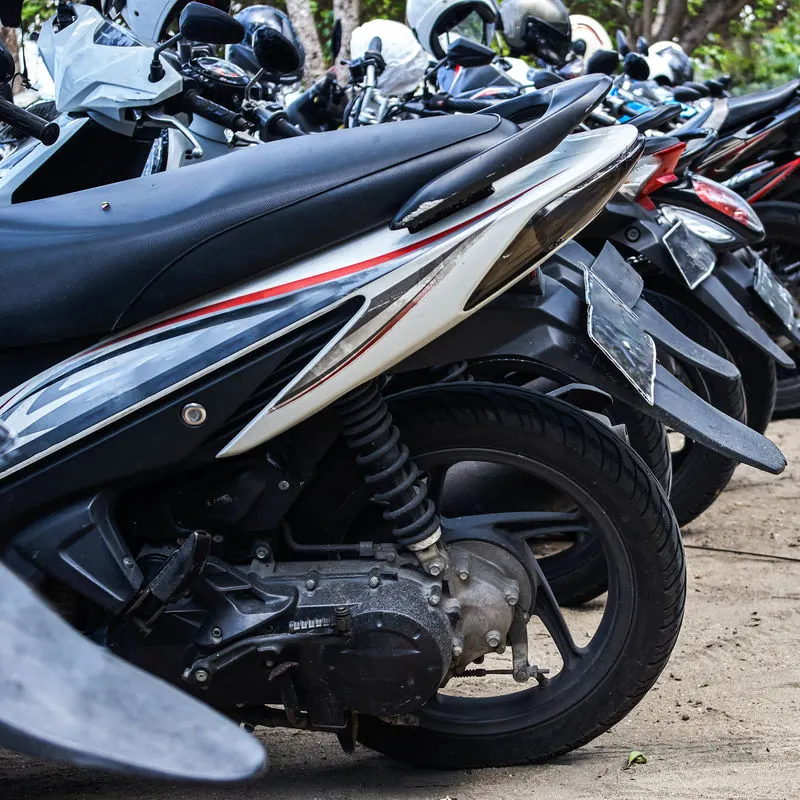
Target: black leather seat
x=750, y=107
x=69, y=268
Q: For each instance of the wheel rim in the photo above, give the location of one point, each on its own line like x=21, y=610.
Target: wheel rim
x=583, y=668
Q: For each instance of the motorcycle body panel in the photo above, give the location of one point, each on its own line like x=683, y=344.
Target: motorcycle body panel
x=398, y=291
x=101, y=67
x=68, y=699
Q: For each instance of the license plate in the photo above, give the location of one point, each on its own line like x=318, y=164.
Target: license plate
x=694, y=259
x=615, y=329
x=774, y=294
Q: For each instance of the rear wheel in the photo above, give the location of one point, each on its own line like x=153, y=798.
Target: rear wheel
x=463, y=435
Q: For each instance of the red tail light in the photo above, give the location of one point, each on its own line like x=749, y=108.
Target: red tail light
x=727, y=201
x=651, y=173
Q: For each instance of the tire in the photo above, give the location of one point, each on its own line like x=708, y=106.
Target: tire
x=577, y=574
x=646, y=595
x=699, y=474
x=781, y=248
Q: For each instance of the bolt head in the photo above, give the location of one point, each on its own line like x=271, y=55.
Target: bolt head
x=493, y=638
x=512, y=599
x=434, y=598
x=262, y=553
x=311, y=584
x=373, y=582
x=458, y=650
x=194, y=415
x=269, y=663
x=201, y=676
x=435, y=569
x=284, y=486
x=521, y=675
x=463, y=574
x=216, y=633
x=633, y=234
x=127, y=561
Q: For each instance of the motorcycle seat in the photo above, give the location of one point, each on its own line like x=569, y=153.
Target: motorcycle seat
x=751, y=107
x=97, y=261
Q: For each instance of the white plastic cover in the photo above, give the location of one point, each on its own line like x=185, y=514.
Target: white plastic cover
x=405, y=59
x=592, y=32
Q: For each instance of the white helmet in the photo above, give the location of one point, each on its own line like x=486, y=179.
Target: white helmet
x=660, y=69
x=437, y=22
x=148, y=19
x=406, y=61
x=592, y=32
x=680, y=64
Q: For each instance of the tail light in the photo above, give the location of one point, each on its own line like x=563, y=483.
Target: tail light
x=727, y=202
x=651, y=173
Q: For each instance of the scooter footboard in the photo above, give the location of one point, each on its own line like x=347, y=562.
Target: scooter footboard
x=64, y=698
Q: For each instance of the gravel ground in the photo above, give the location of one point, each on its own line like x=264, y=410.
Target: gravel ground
x=722, y=722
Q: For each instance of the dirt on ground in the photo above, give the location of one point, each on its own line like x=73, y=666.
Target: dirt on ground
x=722, y=721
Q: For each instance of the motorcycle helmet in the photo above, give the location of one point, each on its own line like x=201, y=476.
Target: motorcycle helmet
x=592, y=32
x=436, y=23
x=539, y=28
x=149, y=21
x=660, y=69
x=681, y=65
x=406, y=62
x=253, y=17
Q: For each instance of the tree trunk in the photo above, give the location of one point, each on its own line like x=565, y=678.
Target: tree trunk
x=714, y=13
x=670, y=19
x=348, y=11
x=303, y=19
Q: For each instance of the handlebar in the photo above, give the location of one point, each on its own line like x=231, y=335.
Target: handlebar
x=28, y=123
x=464, y=105
x=275, y=123
x=214, y=112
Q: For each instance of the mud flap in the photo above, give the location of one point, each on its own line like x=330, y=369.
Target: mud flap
x=64, y=698
x=737, y=272
x=713, y=294
x=623, y=279
x=546, y=332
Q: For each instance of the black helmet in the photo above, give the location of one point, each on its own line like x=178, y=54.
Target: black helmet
x=538, y=28
x=681, y=65
x=253, y=17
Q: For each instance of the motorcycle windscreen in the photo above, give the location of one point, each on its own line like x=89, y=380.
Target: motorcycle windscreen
x=64, y=698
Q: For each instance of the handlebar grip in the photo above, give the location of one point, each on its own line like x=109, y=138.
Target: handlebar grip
x=29, y=124
x=376, y=45
x=214, y=112
x=282, y=127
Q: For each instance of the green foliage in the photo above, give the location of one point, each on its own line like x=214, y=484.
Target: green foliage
x=34, y=12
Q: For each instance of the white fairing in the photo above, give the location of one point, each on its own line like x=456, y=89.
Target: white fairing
x=102, y=78
x=406, y=61
x=147, y=18
x=402, y=291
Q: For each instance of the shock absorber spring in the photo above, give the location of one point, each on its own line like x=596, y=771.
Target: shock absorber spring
x=395, y=479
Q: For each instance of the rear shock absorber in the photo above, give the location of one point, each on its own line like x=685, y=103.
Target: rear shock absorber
x=396, y=481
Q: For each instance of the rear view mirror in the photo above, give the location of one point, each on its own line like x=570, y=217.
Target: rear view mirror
x=466, y=53
x=274, y=52
x=202, y=23
x=336, y=40
x=636, y=67
x=622, y=44
x=10, y=13
x=685, y=94
x=642, y=46
x=602, y=62
x=542, y=79
x=7, y=66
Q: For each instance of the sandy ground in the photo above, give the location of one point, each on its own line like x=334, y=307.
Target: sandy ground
x=722, y=722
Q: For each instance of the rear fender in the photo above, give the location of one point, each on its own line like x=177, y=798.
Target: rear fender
x=549, y=331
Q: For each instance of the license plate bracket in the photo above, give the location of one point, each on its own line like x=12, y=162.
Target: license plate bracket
x=694, y=259
x=615, y=330
x=774, y=294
